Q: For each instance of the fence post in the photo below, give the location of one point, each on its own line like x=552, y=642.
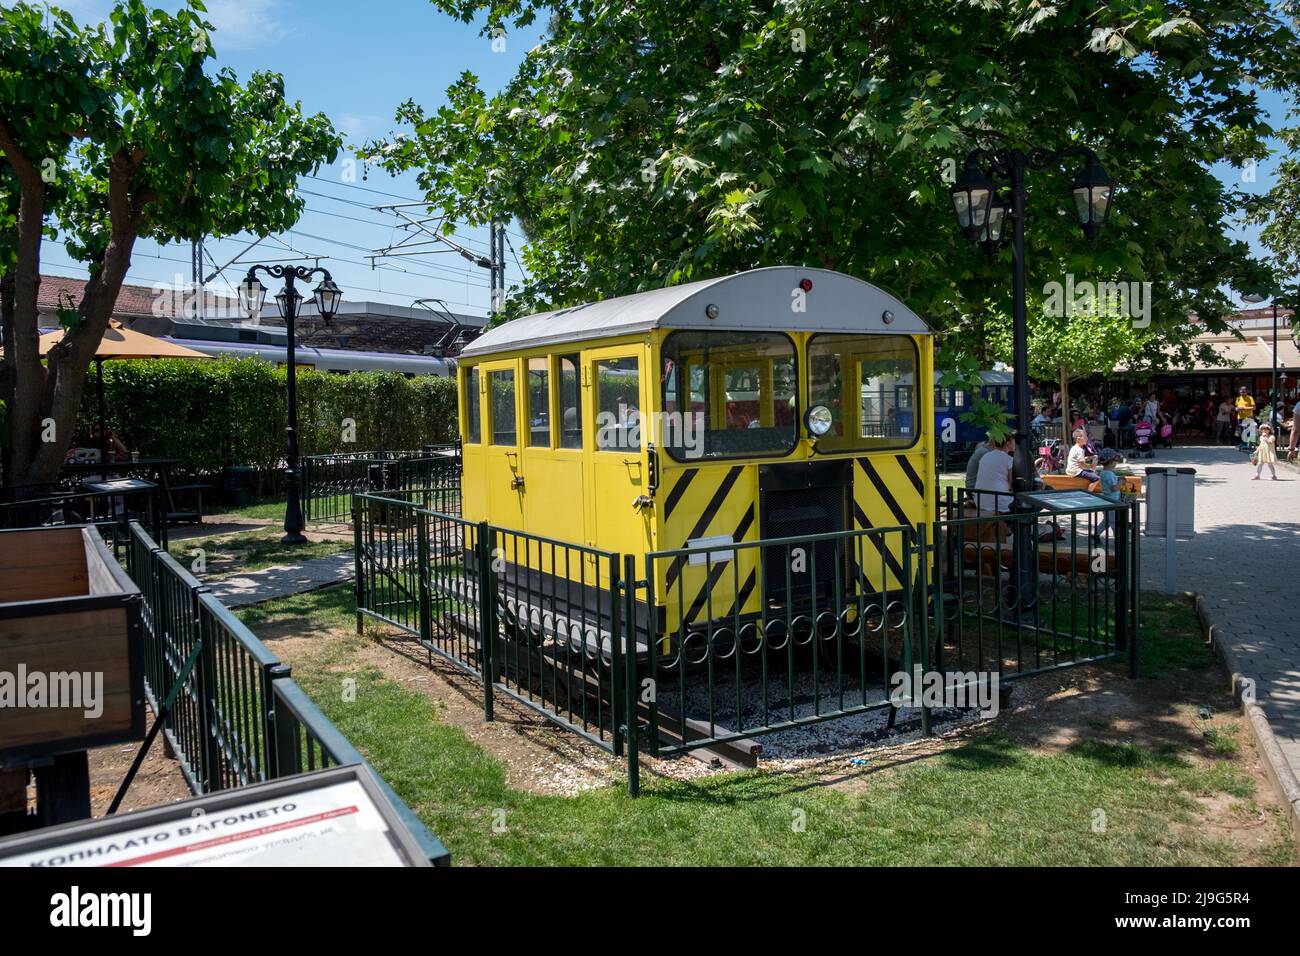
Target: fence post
x=922, y=602
x=619, y=704
x=1122, y=636
x=205, y=678
x=631, y=737
x=423, y=610
x=284, y=756
x=487, y=616
x=358, y=579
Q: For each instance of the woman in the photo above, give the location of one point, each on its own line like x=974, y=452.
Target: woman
x=994, y=475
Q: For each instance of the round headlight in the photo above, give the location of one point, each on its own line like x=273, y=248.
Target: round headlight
x=818, y=420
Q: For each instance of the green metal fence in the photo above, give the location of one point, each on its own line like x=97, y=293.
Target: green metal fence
x=784, y=633
x=240, y=718
x=330, y=481
x=552, y=609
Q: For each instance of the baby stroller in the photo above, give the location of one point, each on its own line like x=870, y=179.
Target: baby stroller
x=1142, y=443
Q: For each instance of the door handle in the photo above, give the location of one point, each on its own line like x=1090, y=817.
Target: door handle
x=517, y=482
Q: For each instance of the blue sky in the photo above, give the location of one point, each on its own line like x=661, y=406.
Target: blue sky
x=356, y=62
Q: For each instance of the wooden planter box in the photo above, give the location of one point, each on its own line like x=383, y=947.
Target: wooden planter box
x=67, y=609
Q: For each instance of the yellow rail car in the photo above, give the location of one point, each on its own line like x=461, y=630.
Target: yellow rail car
x=773, y=403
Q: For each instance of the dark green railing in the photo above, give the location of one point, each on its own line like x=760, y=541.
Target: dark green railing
x=240, y=718
x=769, y=635
x=329, y=481
x=109, y=513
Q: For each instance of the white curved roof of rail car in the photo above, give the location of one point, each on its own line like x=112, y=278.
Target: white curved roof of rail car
x=756, y=301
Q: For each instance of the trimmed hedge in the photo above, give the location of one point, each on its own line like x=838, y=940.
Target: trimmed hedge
x=232, y=411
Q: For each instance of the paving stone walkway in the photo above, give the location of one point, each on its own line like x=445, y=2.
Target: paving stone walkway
x=1245, y=564
x=282, y=580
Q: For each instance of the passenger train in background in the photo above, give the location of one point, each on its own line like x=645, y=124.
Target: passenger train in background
x=327, y=360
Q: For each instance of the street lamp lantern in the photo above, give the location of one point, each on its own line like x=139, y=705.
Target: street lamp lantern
x=252, y=296
x=1092, y=190
x=327, y=296
x=282, y=301
x=994, y=223
x=971, y=195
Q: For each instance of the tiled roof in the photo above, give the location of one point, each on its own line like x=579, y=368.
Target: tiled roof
x=132, y=300
x=356, y=331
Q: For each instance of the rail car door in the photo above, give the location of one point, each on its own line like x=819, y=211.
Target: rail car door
x=552, y=448
x=503, y=469
x=614, y=387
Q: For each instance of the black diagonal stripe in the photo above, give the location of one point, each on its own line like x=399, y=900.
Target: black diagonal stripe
x=912, y=476
x=715, y=575
x=742, y=529
x=865, y=523
x=882, y=489
x=706, y=517
x=679, y=489
x=715, y=570
x=743, y=596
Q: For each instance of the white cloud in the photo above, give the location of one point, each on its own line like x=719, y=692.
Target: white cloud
x=237, y=24
x=246, y=24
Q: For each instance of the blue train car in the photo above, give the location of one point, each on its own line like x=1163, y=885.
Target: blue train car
x=956, y=439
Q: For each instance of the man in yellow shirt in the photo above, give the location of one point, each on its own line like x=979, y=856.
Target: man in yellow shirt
x=1245, y=408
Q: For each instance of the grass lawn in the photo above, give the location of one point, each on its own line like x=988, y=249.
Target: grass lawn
x=253, y=549
x=271, y=509
x=999, y=796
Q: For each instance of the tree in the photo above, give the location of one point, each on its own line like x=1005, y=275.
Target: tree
x=1278, y=211
x=110, y=133
x=649, y=144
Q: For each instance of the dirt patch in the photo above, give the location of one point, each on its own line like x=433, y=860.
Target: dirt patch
x=158, y=781
x=538, y=755
x=1190, y=713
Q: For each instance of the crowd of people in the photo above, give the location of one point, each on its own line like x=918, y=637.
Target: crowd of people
x=1243, y=420
x=1236, y=420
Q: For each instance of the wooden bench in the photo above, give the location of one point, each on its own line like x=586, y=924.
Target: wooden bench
x=1127, y=483
x=1060, y=557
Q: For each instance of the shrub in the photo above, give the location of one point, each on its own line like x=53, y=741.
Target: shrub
x=232, y=411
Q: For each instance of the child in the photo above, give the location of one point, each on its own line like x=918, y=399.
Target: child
x=1076, y=464
x=1266, y=453
x=1109, y=487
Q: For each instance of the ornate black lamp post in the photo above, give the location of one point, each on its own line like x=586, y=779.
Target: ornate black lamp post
x=252, y=295
x=982, y=213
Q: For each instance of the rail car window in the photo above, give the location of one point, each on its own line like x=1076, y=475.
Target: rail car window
x=618, y=404
x=729, y=395
x=570, y=402
x=867, y=382
x=501, y=395
x=474, y=425
x=539, y=403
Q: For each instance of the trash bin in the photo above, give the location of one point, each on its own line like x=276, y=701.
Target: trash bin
x=238, y=485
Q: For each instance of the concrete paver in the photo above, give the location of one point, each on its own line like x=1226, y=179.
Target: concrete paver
x=1245, y=564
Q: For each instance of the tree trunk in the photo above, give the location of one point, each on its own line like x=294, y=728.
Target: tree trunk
x=46, y=398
